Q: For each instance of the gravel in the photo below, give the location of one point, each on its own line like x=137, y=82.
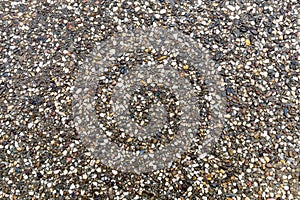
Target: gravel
x=254, y=43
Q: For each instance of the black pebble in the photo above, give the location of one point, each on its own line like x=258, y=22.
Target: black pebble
x=243, y=28
x=123, y=70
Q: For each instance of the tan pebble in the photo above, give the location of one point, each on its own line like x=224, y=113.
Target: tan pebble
x=84, y=176
x=19, y=149
x=267, y=159
x=282, y=161
x=248, y=43
x=230, y=152
x=161, y=58
x=9, y=108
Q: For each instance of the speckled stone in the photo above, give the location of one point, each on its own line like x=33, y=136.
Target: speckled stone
x=255, y=43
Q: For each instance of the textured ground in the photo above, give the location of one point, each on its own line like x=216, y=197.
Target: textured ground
x=256, y=43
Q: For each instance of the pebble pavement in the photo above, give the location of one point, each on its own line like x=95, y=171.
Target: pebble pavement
x=255, y=42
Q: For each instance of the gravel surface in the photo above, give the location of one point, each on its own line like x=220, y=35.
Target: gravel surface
x=255, y=43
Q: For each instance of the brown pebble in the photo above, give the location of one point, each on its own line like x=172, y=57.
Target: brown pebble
x=244, y=111
x=269, y=165
x=269, y=93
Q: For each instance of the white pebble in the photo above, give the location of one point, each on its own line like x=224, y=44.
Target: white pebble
x=163, y=11
x=115, y=172
x=231, y=8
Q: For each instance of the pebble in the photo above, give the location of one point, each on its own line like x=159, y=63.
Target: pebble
x=84, y=176
x=231, y=8
x=247, y=41
x=115, y=172
x=267, y=159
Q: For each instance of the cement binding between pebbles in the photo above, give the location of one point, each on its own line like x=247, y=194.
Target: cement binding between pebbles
x=255, y=43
